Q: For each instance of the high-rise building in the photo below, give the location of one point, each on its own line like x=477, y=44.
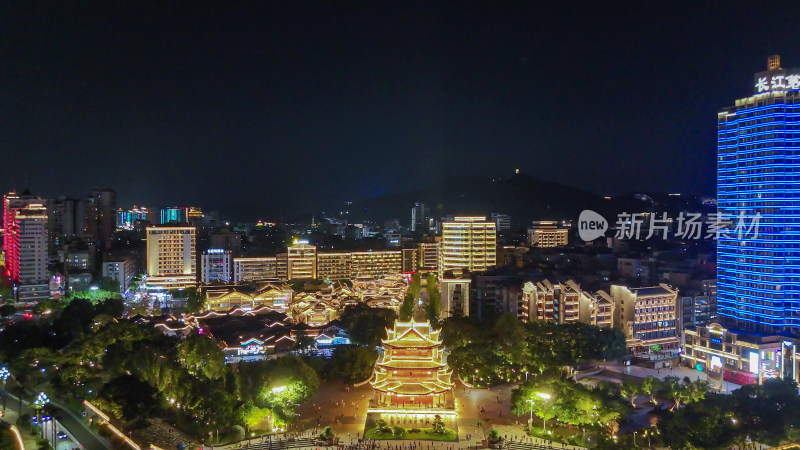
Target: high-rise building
x=501, y=221
x=546, y=233
x=11, y=203
x=120, y=268
x=418, y=214
x=758, y=174
x=171, y=262
x=26, y=261
x=105, y=202
x=301, y=261
x=468, y=243
x=174, y=215
x=126, y=219
x=216, y=265
x=428, y=255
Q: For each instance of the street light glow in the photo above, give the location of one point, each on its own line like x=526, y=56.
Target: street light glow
x=543, y=395
x=278, y=389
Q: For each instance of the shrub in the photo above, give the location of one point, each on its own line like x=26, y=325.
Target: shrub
x=237, y=432
x=414, y=430
x=398, y=431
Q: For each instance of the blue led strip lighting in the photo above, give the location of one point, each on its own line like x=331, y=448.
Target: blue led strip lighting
x=759, y=173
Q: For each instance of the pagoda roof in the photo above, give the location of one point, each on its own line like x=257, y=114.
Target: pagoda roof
x=411, y=364
x=426, y=387
x=412, y=334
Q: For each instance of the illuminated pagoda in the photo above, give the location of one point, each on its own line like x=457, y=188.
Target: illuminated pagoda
x=411, y=375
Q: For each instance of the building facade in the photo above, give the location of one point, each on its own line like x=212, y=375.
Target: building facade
x=411, y=376
x=428, y=254
x=546, y=233
x=468, y=243
x=648, y=316
x=264, y=268
x=27, y=257
x=758, y=174
x=171, y=262
x=216, y=265
x=122, y=269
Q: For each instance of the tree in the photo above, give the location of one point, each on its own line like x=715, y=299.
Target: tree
x=408, y=307
x=650, y=386
x=202, y=355
x=438, y=425
x=109, y=284
x=629, y=390
x=434, y=305
x=365, y=325
x=510, y=338
x=196, y=301
x=303, y=341
x=354, y=363
x=135, y=398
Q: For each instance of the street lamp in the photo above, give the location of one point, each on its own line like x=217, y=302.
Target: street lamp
x=544, y=397
x=634, y=438
x=39, y=403
x=4, y=374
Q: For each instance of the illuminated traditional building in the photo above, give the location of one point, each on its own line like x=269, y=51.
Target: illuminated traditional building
x=171, y=262
x=468, y=243
x=411, y=376
x=547, y=234
x=276, y=296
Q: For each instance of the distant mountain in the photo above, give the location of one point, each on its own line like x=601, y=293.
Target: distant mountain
x=520, y=196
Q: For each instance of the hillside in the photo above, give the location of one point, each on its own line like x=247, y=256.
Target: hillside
x=522, y=197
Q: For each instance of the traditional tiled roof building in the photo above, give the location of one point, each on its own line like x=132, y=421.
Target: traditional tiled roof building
x=411, y=374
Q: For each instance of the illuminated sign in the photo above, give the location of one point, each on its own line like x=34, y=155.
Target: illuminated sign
x=215, y=251
x=754, y=362
x=787, y=343
x=777, y=80
x=716, y=362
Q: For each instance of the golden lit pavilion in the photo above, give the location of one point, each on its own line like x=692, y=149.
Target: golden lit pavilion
x=411, y=375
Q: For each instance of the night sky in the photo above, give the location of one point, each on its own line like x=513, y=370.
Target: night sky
x=268, y=107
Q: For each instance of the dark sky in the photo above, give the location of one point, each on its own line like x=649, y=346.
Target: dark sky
x=262, y=106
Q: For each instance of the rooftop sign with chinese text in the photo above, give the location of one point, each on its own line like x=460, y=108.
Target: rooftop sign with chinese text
x=776, y=80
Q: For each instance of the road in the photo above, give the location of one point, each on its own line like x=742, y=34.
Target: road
x=76, y=428
x=72, y=423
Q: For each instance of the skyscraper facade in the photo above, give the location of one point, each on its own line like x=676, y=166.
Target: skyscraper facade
x=759, y=177
x=171, y=260
x=468, y=243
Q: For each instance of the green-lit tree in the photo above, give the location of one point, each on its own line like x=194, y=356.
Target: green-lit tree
x=408, y=307
x=434, y=306
x=629, y=390
x=649, y=387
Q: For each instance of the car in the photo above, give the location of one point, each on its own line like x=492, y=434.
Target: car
x=62, y=435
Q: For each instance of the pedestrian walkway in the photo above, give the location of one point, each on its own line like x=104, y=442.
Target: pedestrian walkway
x=11, y=416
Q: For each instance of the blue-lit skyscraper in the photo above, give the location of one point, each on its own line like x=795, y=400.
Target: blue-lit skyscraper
x=759, y=173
